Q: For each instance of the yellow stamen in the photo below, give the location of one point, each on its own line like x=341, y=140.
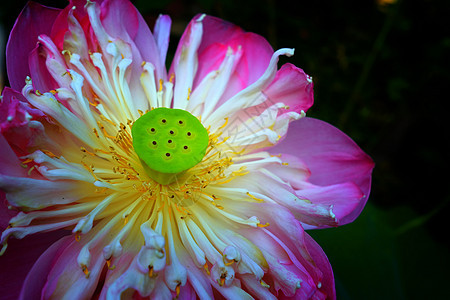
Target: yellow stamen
x=285, y=164
x=108, y=263
x=30, y=170
x=85, y=270
x=205, y=266
x=95, y=132
x=254, y=198
x=161, y=85
x=177, y=290
x=264, y=284
x=189, y=94
x=107, y=120
x=77, y=236
x=224, y=124
x=49, y=153
x=86, y=151
x=150, y=271
x=263, y=225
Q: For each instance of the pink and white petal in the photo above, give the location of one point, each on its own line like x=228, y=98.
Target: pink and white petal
x=34, y=193
x=67, y=277
x=19, y=258
x=292, y=87
x=61, y=25
x=341, y=199
x=19, y=122
x=132, y=278
x=219, y=34
x=34, y=20
x=123, y=21
x=293, y=171
x=257, y=51
x=162, y=34
x=217, y=30
x=255, y=287
x=231, y=292
x=331, y=156
x=185, y=62
x=196, y=277
x=37, y=276
x=48, y=67
x=326, y=285
x=42, y=79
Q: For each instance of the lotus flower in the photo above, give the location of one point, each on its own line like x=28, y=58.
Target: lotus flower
x=123, y=180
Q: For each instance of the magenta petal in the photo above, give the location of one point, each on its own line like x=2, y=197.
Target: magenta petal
x=34, y=20
x=18, y=259
x=331, y=156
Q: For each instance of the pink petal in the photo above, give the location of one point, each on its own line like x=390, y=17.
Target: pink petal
x=60, y=25
x=218, y=36
x=331, y=156
x=66, y=276
x=5, y=213
x=122, y=20
x=9, y=163
x=162, y=34
x=19, y=258
x=320, y=259
x=292, y=87
x=342, y=199
x=257, y=53
x=42, y=79
x=37, y=277
x=34, y=20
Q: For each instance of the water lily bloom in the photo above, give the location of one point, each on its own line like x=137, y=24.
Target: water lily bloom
x=121, y=179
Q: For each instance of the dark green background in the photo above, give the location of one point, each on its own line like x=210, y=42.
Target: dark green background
x=381, y=74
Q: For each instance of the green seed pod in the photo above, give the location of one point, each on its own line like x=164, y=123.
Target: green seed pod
x=169, y=142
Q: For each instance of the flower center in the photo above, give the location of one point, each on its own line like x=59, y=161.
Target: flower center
x=169, y=142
